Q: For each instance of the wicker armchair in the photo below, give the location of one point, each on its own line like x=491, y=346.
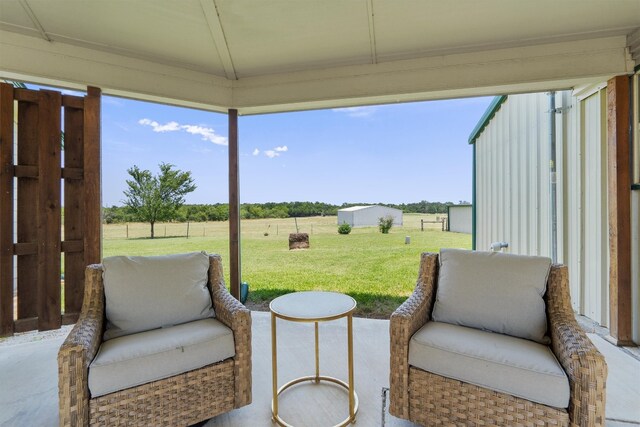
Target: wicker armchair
x=183, y=399
x=429, y=399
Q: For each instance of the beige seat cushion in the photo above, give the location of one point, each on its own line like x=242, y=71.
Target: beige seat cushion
x=492, y=291
x=144, y=293
x=140, y=358
x=510, y=365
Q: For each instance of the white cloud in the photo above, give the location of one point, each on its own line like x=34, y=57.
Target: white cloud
x=271, y=154
x=356, y=111
x=282, y=148
x=157, y=127
x=207, y=134
x=256, y=152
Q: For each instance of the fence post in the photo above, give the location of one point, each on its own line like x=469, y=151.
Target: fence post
x=422, y=225
x=187, y=229
x=127, y=230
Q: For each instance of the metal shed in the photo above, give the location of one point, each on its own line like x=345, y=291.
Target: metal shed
x=460, y=218
x=560, y=213
x=368, y=216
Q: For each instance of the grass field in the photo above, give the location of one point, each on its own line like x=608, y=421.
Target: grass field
x=378, y=270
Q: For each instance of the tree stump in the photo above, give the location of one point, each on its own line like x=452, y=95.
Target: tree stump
x=298, y=241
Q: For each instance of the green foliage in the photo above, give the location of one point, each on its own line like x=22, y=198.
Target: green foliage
x=344, y=228
x=156, y=198
x=385, y=224
x=378, y=271
x=220, y=211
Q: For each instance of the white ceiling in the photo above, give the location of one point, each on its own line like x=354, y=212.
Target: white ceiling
x=232, y=49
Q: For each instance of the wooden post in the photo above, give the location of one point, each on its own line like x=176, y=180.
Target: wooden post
x=6, y=209
x=74, y=264
x=49, y=211
x=234, y=206
x=27, y=220
x=422, y=225
x=92, y=177
x=619, y=189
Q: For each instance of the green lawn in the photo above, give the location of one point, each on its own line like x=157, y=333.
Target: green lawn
x=378, y=270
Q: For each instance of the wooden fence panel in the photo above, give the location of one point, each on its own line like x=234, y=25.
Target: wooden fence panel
x=92, y=177
x=6, y=209
x=74, y=262
x=49, y=316
x=27, y=233
x=37, y=174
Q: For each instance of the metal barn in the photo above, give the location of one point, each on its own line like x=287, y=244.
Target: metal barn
x=368, y=216
x=540, y=184
x=460, y=218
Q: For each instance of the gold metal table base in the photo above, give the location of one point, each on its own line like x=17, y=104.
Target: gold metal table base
x=343, y=310
x=314, y=379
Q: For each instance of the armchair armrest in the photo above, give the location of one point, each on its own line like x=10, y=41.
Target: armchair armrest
x=78, y=350
x=583, y=363
x=405, y=321
x=237, y=317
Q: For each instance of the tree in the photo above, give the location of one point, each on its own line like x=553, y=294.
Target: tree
x=157, y=198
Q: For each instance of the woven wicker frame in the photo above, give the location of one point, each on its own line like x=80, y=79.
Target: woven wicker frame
x=430, y=399
x=184, y=399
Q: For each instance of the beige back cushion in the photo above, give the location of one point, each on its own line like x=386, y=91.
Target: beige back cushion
x=144, y=293
x=494, y=292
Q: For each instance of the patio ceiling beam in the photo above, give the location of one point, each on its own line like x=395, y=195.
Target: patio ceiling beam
x=210, y=11
x=499, y=71
x=74, y=67
x=551, y=66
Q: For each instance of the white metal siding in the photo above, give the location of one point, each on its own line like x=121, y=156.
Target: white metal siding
x=460, y=219
x=596, y=235
x=512, y=189
x=369, y=216
x=512, y=181
x=345, y=217
x=574, y=194
x=635, y=263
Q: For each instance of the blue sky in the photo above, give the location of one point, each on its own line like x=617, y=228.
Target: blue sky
x=390, y=153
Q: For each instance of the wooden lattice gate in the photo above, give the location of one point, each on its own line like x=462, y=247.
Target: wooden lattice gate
x=34, y=161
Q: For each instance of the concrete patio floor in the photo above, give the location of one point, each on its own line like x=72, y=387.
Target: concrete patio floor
x=28, y=377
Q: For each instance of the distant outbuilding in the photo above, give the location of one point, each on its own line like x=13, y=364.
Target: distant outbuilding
x=460, y=218
x=368, y=216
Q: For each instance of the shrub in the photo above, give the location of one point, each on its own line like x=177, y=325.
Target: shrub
x=385, y=224
x=344, y=228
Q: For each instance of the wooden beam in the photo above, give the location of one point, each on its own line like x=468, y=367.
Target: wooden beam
x=619, y=189
x=24, y=171
x=74, y=218
x=92, y=177
x=21, y=249
x=69, y=172
x=6, y=209
x=27, y=173
x=234, y=206
x=49, y=221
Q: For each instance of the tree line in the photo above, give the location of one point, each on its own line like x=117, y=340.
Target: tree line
x=159, y=197
x=220, y=211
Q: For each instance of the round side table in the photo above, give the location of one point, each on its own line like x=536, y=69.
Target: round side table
x=313, y=307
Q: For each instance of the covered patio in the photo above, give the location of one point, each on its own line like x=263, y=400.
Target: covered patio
x=253, y=57
x=29, y=367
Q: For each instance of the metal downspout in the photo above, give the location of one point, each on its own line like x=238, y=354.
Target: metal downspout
x=552, y=177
